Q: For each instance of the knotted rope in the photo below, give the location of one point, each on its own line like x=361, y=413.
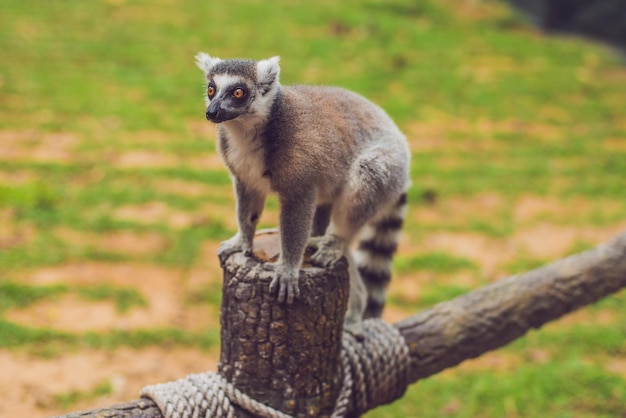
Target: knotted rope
x=375, y=372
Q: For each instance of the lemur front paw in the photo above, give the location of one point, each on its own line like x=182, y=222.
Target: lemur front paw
x=329, y=250
x=285, y=282
x=233, y=245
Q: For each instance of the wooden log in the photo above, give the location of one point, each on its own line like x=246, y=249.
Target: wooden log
x=495, y=315
x=140, y=408
x=488, y=318
x=285, y=356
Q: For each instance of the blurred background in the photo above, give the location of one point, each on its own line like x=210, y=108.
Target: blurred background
x=113, y=200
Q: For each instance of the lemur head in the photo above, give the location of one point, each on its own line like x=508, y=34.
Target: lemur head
x=238, y=88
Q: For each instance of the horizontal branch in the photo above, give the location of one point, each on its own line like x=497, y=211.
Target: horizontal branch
x=139, y=408
x=451, y=332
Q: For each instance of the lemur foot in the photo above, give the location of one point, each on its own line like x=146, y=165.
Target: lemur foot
x=285, y=282
x=231, y=246
x=329, y=250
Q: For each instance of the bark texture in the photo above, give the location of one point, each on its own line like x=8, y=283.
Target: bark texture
x=285, y=356
x=438, y=338
x=495, y=315
x=140, y=408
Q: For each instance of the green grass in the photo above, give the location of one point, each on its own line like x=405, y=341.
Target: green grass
x=14, y=295
x=49, y=342
x=124, y=299
x=211, y=295
x=538, y=390
x=68, y=399
x=435, y=262
x=490, y=106
x=434, y=294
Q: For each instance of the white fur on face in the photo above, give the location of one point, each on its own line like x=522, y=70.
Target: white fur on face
x=224, y=81
x=263, y=104
x=259, y=108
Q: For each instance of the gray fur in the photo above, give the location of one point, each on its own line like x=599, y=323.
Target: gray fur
x=337, y=162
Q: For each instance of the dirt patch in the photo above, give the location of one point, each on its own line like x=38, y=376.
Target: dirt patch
x=530, y=208
x=161, y=287
x=544, y=228
x=185, y=188
x=202, y=128
x=458, y=210
x=614, y=144
x=124, y=242
x=488, y=253
x=165, y=289
x=62, y=314
x=39, y=147
x=14, y=177
x=490, y=362
x=549, y=241
x=12, y=233
x=155, y=213
x=146, y=159
x=617, y=365
x=160, y=213
x=442, y=132
x=485, y=69
x=543, y=242
x=127, y=371
x=393, y=314
x=585, y=317
x=115, y=273
x=207, y=269
x=546, y=241
x=206, y=161
x=219, y=214
x=477, y=11
x=146, y=136
x=406, y=288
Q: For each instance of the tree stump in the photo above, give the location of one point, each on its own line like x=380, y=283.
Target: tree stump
x=286, y=356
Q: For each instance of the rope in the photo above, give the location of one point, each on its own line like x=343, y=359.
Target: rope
x=375, y=372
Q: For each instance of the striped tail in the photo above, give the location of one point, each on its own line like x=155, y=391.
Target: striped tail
x=377, y=244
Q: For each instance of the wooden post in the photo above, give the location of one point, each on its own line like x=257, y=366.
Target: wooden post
x=286, y=356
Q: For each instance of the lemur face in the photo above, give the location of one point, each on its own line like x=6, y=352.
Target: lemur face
x=238, y=88
x=228, y=96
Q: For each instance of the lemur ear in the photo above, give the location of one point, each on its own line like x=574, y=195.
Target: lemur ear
x=205, y=62
x=268, y=71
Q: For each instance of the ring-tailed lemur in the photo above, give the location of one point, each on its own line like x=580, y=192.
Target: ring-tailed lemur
x=339, y=165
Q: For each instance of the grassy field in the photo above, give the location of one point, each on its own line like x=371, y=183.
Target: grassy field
x=113, y=201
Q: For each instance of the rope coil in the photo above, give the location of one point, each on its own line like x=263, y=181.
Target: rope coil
x=375, y=372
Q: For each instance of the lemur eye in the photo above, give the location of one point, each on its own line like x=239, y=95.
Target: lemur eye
x=238, y=93
x=211, y=91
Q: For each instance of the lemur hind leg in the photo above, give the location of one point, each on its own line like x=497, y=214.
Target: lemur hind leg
x=375, y=184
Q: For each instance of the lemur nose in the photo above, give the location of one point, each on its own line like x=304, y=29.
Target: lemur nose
x=211, y=114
